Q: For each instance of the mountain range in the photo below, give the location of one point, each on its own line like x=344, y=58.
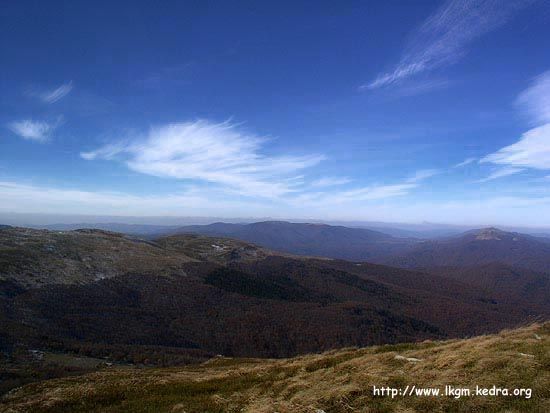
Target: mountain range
x=185, y=297
x=475, y=247
x=322, y=240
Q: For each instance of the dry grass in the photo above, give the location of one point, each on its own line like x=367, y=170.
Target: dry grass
x=337, y=381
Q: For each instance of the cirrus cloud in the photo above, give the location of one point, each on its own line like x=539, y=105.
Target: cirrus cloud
x=231, y=161
x=218, y=153
x=533, y=148
x=444, y=36
x=33, y=130
x=531, y=151
x=501, y=173
x=54, y=95
x=536, y=99
x=330, y=181
x=375, y=192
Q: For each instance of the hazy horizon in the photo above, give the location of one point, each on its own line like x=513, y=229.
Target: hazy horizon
x=45, y=220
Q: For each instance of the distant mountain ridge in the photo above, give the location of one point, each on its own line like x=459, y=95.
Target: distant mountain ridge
x=477, y=247
x=323, y=240
x=474, y=247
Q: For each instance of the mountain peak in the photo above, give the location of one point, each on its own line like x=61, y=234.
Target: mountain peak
x=490, y=233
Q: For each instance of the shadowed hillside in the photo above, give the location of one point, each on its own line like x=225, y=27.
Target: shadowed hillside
x=505, y=283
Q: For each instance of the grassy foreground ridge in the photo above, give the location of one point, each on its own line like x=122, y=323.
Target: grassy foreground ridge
x=336, y=381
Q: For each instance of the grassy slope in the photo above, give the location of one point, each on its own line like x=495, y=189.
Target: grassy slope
x=337, y=381
x=35, y=258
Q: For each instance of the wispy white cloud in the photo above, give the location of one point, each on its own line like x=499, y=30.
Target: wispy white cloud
x=107, y=152
x=531, y=151
x=413, y=88
x=465, y=162
x=366, y=193
x=445, y=35
x=218, y=153
x=535, y=100
x=388, y=191
x=224, y=155
x=54, y=95
x=34, y=130
x=533, y=148
x=501, y=173
x=422, y=175
x=375, y=192
x=330, y=181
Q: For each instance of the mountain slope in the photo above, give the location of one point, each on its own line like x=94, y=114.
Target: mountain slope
x=521, y=286
x=95, y=289
x=477, y=247
x=184, y=298
x=35, y=258
x=340, y=381
x=187, y=297
x=41, y=257
x=309, y=239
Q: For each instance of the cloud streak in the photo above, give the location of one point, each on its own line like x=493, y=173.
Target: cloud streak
x=444, y=37
x=330, y=181
x=465, y=162
x=422, y=175
x=501, y=173
x=52, y=96
x=366, y=193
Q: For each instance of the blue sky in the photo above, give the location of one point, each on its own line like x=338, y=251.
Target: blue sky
x=402, y=111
